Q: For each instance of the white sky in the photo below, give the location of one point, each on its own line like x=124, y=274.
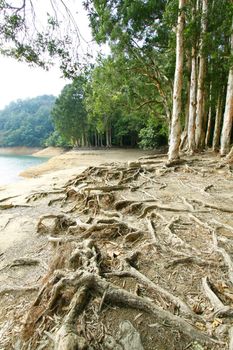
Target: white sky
x=19, y=81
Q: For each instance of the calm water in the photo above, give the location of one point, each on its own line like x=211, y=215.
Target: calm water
x=11, y=166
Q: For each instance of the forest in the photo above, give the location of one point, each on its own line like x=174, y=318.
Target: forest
x=27, y=122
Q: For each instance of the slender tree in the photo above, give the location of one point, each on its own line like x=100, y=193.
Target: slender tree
x=175, y=133
x=228, y=114
x=192, y=107
x=201, y=80
x=217, y=125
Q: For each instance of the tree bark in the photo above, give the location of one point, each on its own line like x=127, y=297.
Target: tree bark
x=209, y=122
x=217, y=125
x=192, y=107
x=228, y=114
x=230, y=156
x=184, y=135
x=175, y=132
x=201, y=80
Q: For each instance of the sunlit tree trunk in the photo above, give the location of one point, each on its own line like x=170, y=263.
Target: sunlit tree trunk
x=201, y=79
x=217, y=125
x=175, y=132
x=192, y=106
x=228, y=114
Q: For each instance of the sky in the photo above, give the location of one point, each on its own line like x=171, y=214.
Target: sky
x=19, y=81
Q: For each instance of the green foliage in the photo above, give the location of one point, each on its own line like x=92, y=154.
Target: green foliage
x=56, y=140
x=69, y=113
x=26, y=122
x=28, y=35
x=154, y=135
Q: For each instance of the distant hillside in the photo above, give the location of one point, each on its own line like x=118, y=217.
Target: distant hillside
x=26, y=122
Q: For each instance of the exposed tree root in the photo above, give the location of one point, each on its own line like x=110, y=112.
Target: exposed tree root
x=16, y=290
x=60, y=223
x=21, y=262
x=82, y=283
x=66, y=338
x=188, y=260
x=113, y=212
x=220, y=309
x=213, y=206
x=183, y=308
x=225, y=255
x=10, y=205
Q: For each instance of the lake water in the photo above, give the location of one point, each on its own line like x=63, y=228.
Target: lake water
x=11, y=166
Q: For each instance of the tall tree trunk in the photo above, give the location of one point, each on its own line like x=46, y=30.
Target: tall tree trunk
x=217, y=125
x=209, y=124
x=201, y=80
x=230, y=156
x=175, y=132
x=228, y=114
x=101, y=140
x=184, y=135
x=106, y=136
x=192, y=107
x=96, y=139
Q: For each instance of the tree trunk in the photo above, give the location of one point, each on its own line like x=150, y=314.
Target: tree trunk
x=107, y=137
x=192, y=107
x=201, y=80
x=230, y=156
x=228, y=114
x=209, y=124
x=96, y=139
x=217, y=125
x=101, y=140
x=175, y=132
x=184, y=135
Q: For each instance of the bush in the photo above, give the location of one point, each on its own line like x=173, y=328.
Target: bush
x=154, y=135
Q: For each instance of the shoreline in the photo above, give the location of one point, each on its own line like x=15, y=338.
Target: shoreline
x=60, y=168
x=82, y=158
x=32, y=151
x=19, y=151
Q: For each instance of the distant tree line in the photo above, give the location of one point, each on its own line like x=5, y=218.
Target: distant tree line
x=27, y=122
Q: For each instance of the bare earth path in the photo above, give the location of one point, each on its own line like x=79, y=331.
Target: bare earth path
x=120, y=256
